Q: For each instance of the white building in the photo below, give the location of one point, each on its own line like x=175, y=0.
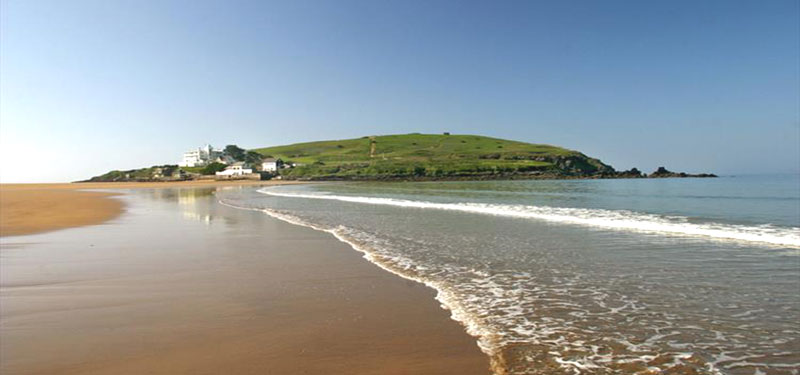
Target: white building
x=271, y=164
x=236, y=169
x=200, y=157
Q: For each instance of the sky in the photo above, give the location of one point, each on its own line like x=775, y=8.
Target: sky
x=696, y=86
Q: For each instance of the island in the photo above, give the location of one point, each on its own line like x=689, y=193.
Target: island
x=389, y=157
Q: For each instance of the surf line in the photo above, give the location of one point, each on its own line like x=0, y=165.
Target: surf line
x=447, y=299
x=598, y=218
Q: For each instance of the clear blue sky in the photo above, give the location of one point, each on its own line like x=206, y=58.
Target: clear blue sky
x=89, y=86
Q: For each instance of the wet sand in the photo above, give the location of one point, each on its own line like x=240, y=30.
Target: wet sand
x=40, y=210
x=37, y=208
x=182, y=285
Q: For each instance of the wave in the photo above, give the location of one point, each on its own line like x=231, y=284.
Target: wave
x=597, y=218
x=446, y=298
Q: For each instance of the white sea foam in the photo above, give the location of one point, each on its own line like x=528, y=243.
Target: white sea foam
x=572, y=320
x=597, y=218
x=447, y=299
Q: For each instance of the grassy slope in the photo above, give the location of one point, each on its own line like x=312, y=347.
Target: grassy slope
x=133, y=174
x=425, y=155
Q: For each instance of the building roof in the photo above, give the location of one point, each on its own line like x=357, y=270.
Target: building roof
x=269, y=160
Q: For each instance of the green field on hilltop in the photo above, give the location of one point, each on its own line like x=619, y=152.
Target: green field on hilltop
x=406, y=156
x=427, y=156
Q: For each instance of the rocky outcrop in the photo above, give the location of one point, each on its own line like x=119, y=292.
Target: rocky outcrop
x=581, y=164
x=662, y=172
x=631, y=173
x=576, y=165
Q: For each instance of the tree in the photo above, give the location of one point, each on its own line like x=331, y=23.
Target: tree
x=212, y=168
x=252, y=157
x=236, y=152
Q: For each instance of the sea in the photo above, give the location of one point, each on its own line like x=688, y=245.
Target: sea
x=620, y=276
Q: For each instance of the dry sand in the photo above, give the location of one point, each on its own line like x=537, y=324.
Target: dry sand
x=182, y=285
x=37, y=208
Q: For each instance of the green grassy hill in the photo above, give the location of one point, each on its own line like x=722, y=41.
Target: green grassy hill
x=141, y=174
x=430, y=156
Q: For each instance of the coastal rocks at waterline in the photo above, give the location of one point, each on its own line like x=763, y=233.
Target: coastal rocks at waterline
x=631, y=173
x=662, y=172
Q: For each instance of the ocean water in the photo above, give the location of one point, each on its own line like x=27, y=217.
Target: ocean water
x=668, y=276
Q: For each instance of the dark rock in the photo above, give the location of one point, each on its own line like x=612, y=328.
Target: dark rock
x=632, y=173
x=662, y=172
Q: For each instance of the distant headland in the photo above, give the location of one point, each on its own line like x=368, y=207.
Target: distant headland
x=389, y=157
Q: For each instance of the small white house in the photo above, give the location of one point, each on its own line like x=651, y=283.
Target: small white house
x=236, y=169
x=271, y=164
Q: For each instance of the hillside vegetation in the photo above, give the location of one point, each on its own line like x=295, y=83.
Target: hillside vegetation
x=430, y=156
x=406, y=156
x=141, y=174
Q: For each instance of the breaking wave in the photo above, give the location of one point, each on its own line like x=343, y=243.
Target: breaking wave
x=597, y=218
x=397, y=264
x=536, y=315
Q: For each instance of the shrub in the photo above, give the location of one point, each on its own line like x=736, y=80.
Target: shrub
x=212, y=168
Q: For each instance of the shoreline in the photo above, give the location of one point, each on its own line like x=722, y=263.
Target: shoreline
x=496, y=361
x=497, y=177
x=39, y=208
x=146, y=185
x=236, y=292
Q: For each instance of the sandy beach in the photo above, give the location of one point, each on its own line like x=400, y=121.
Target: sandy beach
x=179, y=284
x=28, y=211
x=38, y=208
